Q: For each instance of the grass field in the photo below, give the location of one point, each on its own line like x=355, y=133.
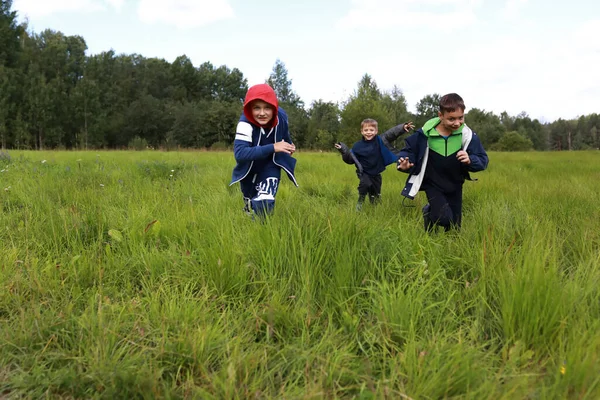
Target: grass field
x=136, y=275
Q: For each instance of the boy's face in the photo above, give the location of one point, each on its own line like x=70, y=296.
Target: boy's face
x=261, y=111
x=369, y=131
x=452, y=120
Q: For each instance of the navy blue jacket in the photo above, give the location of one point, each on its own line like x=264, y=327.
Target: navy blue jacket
x=417, y=150
x=386, y=146
x=247, y=147
x=385, y=155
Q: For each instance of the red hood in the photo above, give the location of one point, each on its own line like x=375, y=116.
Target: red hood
x=265, y=93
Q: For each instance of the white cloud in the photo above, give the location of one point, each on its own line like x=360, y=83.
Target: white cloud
x=180, y=13
x=184, y=13
x=586, y=36
x=375, y=14
x=116, y=4
x=547, y=75
x=44, y=8
x=545, y=78
x=513, y=7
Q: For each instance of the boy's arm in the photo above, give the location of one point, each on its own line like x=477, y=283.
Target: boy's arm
x=244, y=151
x=345, y=152
x=406, y=156
x=242, y=145
x=477, y=155
x=391, y=135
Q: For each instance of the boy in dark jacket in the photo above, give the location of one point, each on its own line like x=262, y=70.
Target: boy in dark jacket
x=370, y=156
x=438, y=159
x=262, y=148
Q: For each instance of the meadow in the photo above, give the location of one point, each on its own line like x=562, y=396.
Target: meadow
x=137, y=275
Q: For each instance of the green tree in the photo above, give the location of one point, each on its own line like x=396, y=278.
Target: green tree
x=10, y=32
x=561, y=133
x=11, y=74
x=5, y=79
x=86, y=105
x=507, y=121
x=54, y=68
x=368, y=89
x=365, y=102
x=229, y=85
x=531, y=129
x=325, y=140
x=427, y=108
x=221, y=83
x=38, y=106
x=152, y=76
x=513, y=141
x=395, y=102
x=323, y=117
x=282, y=85
x=146, y=119
x=488, y=126
x=290, y=102
x=184, y=80
x=187, y=124
x=219, y=119
x=594, y=137
x=21, y=136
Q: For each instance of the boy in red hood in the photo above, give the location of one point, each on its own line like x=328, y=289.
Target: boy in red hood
x=262, y=148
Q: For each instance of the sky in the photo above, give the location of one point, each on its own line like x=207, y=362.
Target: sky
x=537, y=56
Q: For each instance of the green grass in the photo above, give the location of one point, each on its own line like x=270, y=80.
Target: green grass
x=136, y=275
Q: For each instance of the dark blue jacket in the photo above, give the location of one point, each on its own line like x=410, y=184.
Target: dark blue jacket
x=388, y=151
x=386, y=156
x=247, y=147
x=417, y=150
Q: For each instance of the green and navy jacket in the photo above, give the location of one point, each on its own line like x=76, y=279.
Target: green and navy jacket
x=418, y=145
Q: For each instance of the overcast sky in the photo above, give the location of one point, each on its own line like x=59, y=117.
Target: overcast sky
x=537, y=56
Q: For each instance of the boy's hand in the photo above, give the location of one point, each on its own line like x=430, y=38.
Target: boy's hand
x=463, y=157
x=284, y=147
x=341, y=147
x=409, y=126
x=404, y=164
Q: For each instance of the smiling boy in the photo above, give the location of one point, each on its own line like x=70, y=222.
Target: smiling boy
x=262, y=147
x=438, y=159
x=370, y=156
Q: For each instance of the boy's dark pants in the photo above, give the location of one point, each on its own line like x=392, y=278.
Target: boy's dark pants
x=369, y=185
x=259, y=190
x=444, y=209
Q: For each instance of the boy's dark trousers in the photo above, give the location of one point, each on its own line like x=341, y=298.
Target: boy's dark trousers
x=259, y=191
x=444, y=209
x=369, y=185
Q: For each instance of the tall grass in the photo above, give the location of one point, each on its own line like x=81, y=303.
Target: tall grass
x=137, y=275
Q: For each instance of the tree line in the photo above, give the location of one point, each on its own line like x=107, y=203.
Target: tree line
x=55, y=96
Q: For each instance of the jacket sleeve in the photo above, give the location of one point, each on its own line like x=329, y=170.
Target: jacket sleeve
x=477, y=154
x=389, y=137
x=244, y=151
x=242, y=145
x=346, y=155
x=409, y=150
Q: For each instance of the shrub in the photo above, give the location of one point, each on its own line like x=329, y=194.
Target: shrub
x=138, y=143
x=513, y=141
